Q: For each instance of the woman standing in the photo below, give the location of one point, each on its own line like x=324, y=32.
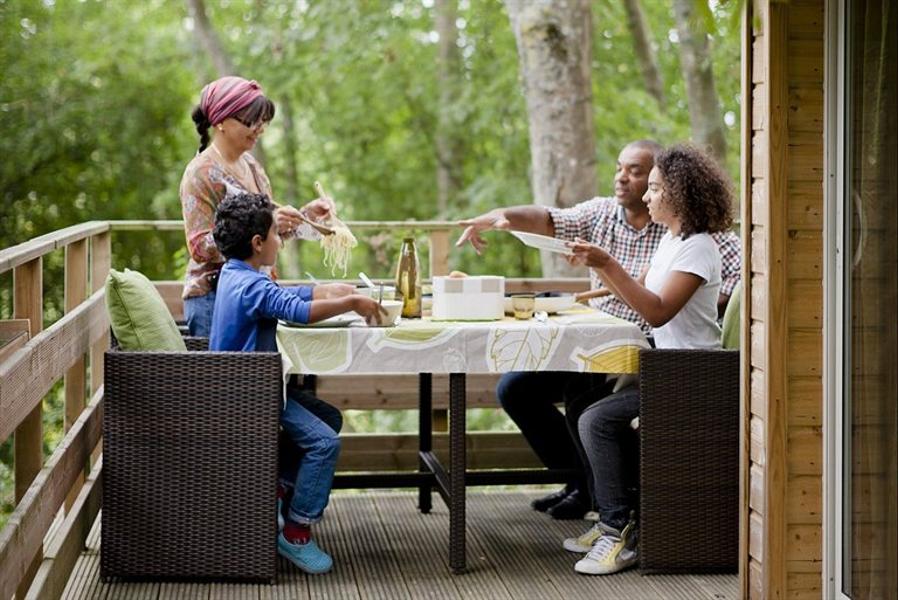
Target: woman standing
x=688, y=192
x=237, y=112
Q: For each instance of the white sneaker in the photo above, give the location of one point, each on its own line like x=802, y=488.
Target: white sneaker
x=585, y=541
x=614, y=551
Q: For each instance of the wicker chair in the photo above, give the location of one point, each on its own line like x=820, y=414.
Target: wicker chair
x=190, y=464
x=689, y=464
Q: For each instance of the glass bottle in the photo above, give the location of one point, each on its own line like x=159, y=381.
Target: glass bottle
x=408, y=279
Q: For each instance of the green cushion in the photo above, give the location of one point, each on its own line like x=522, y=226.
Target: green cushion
x=139, y=317
x=732, y=324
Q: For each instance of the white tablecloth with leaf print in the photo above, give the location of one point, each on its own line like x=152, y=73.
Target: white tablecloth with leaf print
x=581, y=341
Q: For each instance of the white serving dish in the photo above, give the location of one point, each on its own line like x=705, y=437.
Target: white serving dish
x=550, y=304
x=474, y=298
x=543, y=242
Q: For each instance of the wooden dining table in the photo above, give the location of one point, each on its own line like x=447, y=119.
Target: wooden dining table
x=578, y=340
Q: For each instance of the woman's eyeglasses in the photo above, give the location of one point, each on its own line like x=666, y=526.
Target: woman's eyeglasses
x=258, y=125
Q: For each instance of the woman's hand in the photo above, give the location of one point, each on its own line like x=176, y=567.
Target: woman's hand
x=324, y=291
x=320, y=209
x=588, y=254
x=473, y=227
x=287, y=219
x=368, y=308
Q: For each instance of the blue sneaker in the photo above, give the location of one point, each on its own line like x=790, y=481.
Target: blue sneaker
x=308, y=557
x=280, y=515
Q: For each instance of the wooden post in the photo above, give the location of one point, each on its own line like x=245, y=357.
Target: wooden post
x=100, y=262
x=745, y=314
x=776, y=471
x=75, y=376
x=28, y=303
x=439, y=265
x=439, y=252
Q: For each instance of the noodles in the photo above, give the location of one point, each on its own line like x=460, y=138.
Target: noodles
x=338, y=247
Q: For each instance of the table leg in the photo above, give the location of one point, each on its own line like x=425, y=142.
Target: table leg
x=425, y=435
x=457, y=468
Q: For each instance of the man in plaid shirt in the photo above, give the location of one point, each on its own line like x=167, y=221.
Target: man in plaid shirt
x=622, y=226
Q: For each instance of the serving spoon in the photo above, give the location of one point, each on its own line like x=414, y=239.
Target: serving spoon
x=322, y=229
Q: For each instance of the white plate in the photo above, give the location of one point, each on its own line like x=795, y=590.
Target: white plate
x=543, y=242
x=551, y=304
x=335, y=321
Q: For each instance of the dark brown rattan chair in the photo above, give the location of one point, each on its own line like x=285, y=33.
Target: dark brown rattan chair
x=689, y=464
x=190, y=464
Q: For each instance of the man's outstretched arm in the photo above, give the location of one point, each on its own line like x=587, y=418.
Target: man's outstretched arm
x=529, y=218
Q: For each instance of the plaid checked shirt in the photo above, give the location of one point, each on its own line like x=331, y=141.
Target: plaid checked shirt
x=602, y=221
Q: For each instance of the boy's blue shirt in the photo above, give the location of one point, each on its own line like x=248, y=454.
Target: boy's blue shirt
x=247, y=307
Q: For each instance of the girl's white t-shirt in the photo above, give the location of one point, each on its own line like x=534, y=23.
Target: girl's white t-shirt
x=695, y=326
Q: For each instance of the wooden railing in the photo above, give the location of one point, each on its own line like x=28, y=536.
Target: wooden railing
x=28, y=370
x=58, y=500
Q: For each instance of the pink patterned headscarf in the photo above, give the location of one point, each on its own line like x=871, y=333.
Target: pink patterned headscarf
x=227, y=96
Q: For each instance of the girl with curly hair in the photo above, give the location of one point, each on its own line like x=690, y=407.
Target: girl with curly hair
x=677, y=296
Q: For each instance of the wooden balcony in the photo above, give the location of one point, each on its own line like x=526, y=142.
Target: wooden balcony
x=383, y=546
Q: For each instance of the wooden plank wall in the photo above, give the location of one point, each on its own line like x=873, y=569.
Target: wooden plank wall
x=783, y=365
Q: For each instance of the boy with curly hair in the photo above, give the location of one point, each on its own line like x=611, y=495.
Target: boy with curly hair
x=248, y=305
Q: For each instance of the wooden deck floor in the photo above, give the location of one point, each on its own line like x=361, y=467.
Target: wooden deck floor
x=384, y=548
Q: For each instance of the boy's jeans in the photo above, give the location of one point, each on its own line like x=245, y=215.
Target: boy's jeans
x=321, y=447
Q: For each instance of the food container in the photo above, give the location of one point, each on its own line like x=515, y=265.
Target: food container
x=389, y=292
x=474, y=298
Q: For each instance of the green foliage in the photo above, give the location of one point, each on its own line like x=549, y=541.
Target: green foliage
x=96, y=96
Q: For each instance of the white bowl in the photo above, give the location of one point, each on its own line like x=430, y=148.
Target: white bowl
x=393, y=309
x=549, y=304
x=389, y=292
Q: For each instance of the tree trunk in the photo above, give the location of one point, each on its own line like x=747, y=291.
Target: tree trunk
x=695, y=57
x=645, y=54
x=448, y=142
x=220, y=59
x=285, y=110
x=209, y=38
x=554, y=40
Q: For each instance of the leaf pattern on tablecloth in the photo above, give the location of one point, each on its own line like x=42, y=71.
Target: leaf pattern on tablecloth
x=424, y=336
x=613, y=357
x=521, y=349
x=325, y=351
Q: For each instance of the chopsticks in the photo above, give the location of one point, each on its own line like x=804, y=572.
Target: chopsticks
x=583, y=297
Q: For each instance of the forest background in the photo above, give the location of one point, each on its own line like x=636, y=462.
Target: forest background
x=404, y=109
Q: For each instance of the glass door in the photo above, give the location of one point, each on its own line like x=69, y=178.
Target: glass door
x=867, y=558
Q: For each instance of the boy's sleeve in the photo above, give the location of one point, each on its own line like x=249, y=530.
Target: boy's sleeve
x=269, y=300
x=303, y=291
